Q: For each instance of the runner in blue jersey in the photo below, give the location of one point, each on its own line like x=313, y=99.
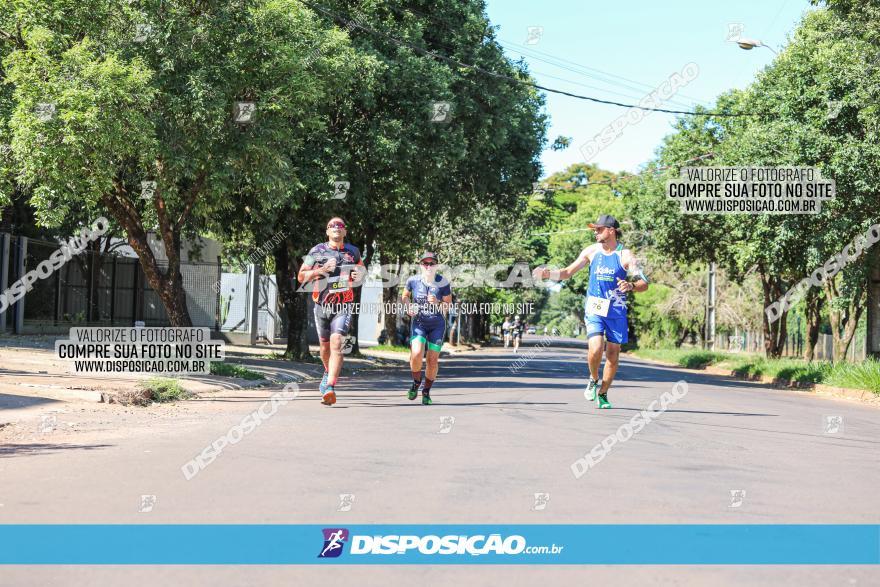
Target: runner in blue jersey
x=605, y=304
x=331, y=270
x=428, y=296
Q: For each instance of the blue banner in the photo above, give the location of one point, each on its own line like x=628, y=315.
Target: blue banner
x=245, y=544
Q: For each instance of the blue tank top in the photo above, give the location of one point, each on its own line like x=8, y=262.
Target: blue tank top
x=605, y=270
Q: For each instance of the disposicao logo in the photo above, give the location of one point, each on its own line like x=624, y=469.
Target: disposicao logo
x=472, y=545
x=334, y=540
x=407, y=544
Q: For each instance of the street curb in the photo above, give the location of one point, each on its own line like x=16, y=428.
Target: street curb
x=818, y=389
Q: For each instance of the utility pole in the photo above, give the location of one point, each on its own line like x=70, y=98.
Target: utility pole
x=710, y=309
x=872, y=346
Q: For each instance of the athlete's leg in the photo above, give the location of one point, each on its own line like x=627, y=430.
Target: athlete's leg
x=431, y=369
x=335, y=363
x=433, y=365
x=339, y=324
x=418, y=338
x=612, y=357
x=435, y=329
x=417, y=341
x=325, y=355
x=596, y=344
x=615, y=335
x=595, y=347
x=417, y=351
x=322, y=326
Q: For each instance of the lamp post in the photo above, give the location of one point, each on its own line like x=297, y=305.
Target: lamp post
x=749, y=44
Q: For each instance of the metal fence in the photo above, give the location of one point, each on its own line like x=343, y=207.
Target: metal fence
x=750, y=342
x=96, y=289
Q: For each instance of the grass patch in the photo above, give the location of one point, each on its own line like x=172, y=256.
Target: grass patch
x=865, y=375
x=233, y=370
x=394, y=348
x=793, y=370
x=691, y=359
x=161, y=389
x=274, y=356
x=699, y=359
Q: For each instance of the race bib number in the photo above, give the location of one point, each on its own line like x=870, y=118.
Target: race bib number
x=598, y=306
x=338, y=283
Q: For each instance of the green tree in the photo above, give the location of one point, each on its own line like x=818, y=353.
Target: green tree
x=138, y=104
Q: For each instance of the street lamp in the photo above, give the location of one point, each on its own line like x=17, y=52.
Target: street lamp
x=749, y=44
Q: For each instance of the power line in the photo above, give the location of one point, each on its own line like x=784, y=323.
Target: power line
x=586, y=72
x=581, y=69
x=593, y=87
x=478, y=69
x=578, y=69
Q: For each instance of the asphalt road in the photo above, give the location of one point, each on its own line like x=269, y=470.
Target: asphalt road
x=515, y=433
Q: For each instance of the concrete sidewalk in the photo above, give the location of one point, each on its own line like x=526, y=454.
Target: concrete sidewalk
x=32, y=378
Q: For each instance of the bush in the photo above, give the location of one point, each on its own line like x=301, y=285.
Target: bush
x=163, y=390
x=652, y=327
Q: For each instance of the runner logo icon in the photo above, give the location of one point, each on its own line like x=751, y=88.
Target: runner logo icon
x=334, y=540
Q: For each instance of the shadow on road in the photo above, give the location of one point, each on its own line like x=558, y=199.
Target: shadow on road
x=10, y=401
x=12, y=450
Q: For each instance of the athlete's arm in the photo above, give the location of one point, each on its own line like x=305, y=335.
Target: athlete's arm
x=582, y=261
x=446, y=302
x=309, y=273
x=407, y=295
x=631, y=266
x=359, y=270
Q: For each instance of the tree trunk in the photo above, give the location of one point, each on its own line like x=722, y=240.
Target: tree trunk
x=774, y=334
x=682, y=337
x=173, y=297
x=813, y=311
x=295, y=303
x=390, y=297
x=167, y=284
x=843, y=320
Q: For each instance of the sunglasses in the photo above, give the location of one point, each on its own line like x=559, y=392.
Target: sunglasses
x=336, y=225
x=428, y=263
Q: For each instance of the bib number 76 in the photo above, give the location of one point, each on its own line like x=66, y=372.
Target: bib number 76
x=597, y=306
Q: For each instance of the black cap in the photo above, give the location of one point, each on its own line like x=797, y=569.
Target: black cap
x=428, y=255
x=606, y=220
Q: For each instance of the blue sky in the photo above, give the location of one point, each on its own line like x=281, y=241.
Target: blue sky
x=644, y=42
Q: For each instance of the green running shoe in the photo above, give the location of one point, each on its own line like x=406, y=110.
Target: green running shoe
x=413, y=392
x=590, y=391
x=324, y=382
x=426, y=399
x=602, y=401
